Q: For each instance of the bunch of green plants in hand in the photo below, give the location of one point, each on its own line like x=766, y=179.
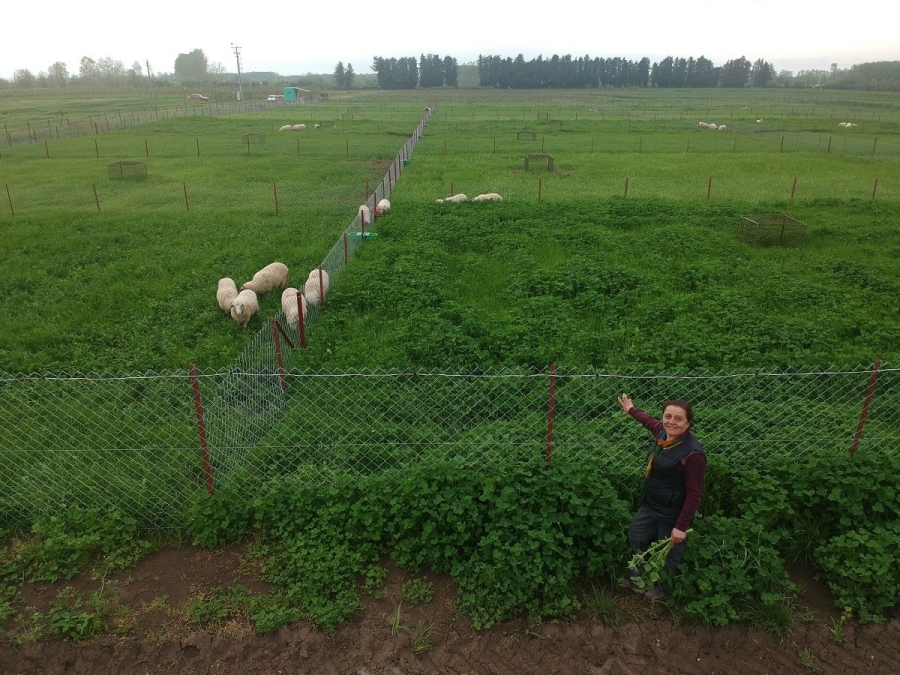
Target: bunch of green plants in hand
x=649, y=564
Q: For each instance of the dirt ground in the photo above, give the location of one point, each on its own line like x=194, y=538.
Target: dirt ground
x=152, y=634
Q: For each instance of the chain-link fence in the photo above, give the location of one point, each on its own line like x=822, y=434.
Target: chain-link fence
x=134, y=441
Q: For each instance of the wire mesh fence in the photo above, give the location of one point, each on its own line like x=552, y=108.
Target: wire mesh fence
x=133, y=441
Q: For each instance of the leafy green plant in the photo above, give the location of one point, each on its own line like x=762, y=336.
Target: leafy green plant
x=418, y=591
x=64, y=544
x=374, y=578
x=731, y=565
x=76, y=618
x=861, y=569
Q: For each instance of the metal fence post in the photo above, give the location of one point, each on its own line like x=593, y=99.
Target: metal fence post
x=275, y=329
x=201, y=426
x=870, y=392
x=551, y=413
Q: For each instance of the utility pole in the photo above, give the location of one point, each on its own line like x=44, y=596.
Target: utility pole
x=237, y=55
x=149, y=76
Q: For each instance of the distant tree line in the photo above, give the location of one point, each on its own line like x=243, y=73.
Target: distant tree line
x=565, y=72
x=407, y=73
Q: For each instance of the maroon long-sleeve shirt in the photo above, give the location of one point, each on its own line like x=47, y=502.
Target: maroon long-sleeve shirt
x=692, y=468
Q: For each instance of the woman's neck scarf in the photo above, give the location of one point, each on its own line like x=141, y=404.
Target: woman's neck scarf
x=663, y=444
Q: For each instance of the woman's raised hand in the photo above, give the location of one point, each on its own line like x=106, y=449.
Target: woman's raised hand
x=626, y=403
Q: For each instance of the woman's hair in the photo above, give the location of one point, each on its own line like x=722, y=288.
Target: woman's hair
x=684, y=405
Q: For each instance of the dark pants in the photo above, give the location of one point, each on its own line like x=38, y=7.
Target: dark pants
x=645, y=529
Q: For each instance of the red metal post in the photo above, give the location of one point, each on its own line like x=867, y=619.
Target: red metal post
x=96, y=198
x=551, y=412
x=301, y=325
x=346, y=250
x=201, y=425
x=322, y=287
x=793, y=188
x=278, y=354
x=275, y=192
x=865, y=410
x=9, y=198
x=187, y=205
x=626, y=186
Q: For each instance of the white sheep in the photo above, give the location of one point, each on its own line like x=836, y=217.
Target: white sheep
x=455, y=199
x=286, y=127
x=292, y=305
x=317, y=126
x=365, y=215
x=316, y=287
x=244, y=306
x=382, y=207
x=702, y=125
x=759, y=121
x=299, y=127
x=712, y=125
x=489, y=197
x=722, y=127
x=226, y=293
x=269, y=277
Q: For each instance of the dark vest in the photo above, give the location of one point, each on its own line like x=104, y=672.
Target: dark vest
x=664, y=492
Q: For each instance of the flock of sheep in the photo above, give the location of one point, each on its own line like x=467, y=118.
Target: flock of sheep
x=456, y=199
x=711, y=125
x=244, y=304
x=847, y=124
x=298, y=127
x=294, y=303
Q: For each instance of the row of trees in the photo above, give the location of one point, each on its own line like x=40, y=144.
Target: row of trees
x=406, y=73
x=565, y=72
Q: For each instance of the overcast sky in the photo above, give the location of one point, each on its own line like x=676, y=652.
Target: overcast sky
x=294, y=39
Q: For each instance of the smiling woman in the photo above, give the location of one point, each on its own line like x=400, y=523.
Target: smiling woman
x=672, y=489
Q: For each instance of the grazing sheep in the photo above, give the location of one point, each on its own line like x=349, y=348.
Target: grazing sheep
x=722, y=127
x=270, y=276
x=286, y=127
x=365, y=215
x=244, y=306
x=316, y=287
x=455, y=199
x=382, y=207
x=317, y=126
x=712, y=125
x=759, y=121
x=299, y=127
x=291, y=305
x=226, y=293
x=489, y=197
x=702, y=125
